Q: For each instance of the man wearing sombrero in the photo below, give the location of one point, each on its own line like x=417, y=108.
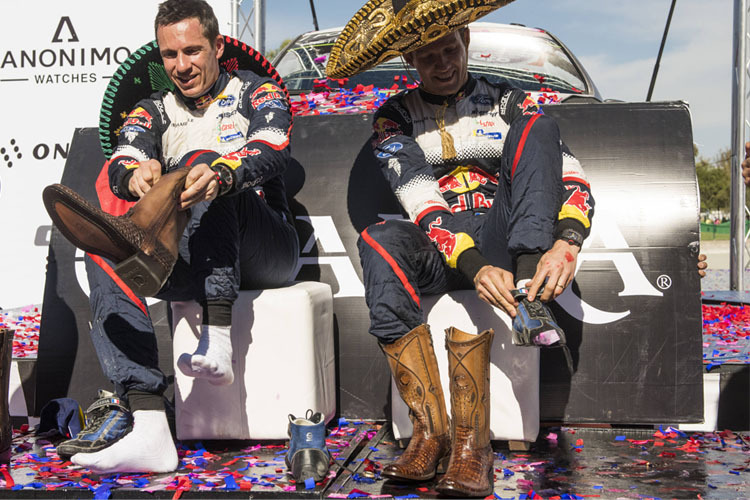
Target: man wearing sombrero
x=203, y=159
x=504, y=211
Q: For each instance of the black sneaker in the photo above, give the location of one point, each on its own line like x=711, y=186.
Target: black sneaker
x=107, y=420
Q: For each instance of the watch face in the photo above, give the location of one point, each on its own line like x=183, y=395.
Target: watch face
x=573, y=237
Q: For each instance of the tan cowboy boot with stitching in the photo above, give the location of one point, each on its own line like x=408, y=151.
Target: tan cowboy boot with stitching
x=142, y=243
x=414, y=367
x=470, y=469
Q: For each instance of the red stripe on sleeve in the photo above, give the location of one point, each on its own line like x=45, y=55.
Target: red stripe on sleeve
x=521, y=144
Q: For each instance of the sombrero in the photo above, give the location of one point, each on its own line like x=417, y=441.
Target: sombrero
x=143, y=73
x=384, y=29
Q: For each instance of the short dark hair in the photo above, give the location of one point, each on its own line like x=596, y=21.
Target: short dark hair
x=174, y=11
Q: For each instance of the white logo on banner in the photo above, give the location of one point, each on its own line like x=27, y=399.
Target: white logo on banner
x=633, y=278
x=606, y=232
x=324, y=231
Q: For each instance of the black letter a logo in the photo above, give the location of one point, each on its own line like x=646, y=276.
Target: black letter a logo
x=65, y=21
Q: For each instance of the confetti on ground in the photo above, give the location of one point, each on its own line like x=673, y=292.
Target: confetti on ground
x=25, y=323
x=726, y=334
x=588, y=463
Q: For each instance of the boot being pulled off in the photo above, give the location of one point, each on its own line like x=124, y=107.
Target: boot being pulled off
x=414, y=367
x=142, y=243
x=470, y=471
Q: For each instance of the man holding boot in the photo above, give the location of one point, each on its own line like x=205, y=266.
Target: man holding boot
x=505, y=213
x=204, y=163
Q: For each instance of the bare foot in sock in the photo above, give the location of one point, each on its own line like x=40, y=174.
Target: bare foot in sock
x=146, y=448
x=212, y=359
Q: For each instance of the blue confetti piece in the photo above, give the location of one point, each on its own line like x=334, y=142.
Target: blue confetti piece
x=620, y=438
x=230, y=483
x=103, y=492
x=508, y=472
x=734, y=472
x=309, y=483
x=342, y=421
x=598, y=487
x=410, y=495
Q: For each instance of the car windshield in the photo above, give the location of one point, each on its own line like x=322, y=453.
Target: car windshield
x=526, y=58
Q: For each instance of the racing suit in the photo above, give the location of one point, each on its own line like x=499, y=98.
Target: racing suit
x=242, y=239
x=484, y=179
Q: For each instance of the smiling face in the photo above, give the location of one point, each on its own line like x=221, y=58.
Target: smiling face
x=190, y=59
x=443, y=64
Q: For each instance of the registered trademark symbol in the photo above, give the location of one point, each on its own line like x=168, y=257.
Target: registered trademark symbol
x=664, y=282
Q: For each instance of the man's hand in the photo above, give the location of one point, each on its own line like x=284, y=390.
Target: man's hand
x=493, y=286
x=144, y=177
x=557, y=267
x=200, y=185
x=702, y=265
x=746, y=165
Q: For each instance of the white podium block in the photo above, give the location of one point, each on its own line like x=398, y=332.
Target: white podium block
x=283, y=361
x=514, y=371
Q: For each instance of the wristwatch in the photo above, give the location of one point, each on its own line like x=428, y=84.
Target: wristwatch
x=572, y=237
x=224, y=177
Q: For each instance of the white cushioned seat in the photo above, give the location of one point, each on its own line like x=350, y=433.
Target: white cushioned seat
x=283, y=361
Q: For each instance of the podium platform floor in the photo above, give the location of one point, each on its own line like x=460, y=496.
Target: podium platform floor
x=565, y=462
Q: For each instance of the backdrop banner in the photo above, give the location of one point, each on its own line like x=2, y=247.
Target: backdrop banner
x=632, y=315
x=56, y=67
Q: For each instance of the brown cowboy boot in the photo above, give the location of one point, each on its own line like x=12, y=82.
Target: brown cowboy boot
x=142, y=243
x=6, y=356
x=470, y=470
x=414, y=367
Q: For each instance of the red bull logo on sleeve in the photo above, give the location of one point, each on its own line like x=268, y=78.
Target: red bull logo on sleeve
x=385, y=129
x=266, y=88
x=234, y=159
x=529, y=106
x=139, y=116
x=443, y=239
x=577, y=206
x=267, y=92
x=449, y=244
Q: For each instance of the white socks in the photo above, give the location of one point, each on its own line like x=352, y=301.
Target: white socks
x=212, y=359
x=146, y=448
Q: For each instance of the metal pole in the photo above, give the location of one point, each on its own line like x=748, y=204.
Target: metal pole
x=234, y=15
x=739, y=73
x=315, y=18
x=260, y=26
x=661, y=49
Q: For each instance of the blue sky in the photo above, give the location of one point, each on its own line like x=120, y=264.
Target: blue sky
x=616, y=41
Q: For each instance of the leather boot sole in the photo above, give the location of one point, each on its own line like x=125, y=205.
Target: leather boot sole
x=116, y=238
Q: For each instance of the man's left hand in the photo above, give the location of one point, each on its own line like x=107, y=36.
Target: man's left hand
x=702, y=265
x=200, y=185
x=555, y=271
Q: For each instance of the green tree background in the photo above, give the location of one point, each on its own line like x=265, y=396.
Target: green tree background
x=714, y=181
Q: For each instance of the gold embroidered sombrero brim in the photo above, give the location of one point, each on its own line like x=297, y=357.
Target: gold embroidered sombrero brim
x=384, y=29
